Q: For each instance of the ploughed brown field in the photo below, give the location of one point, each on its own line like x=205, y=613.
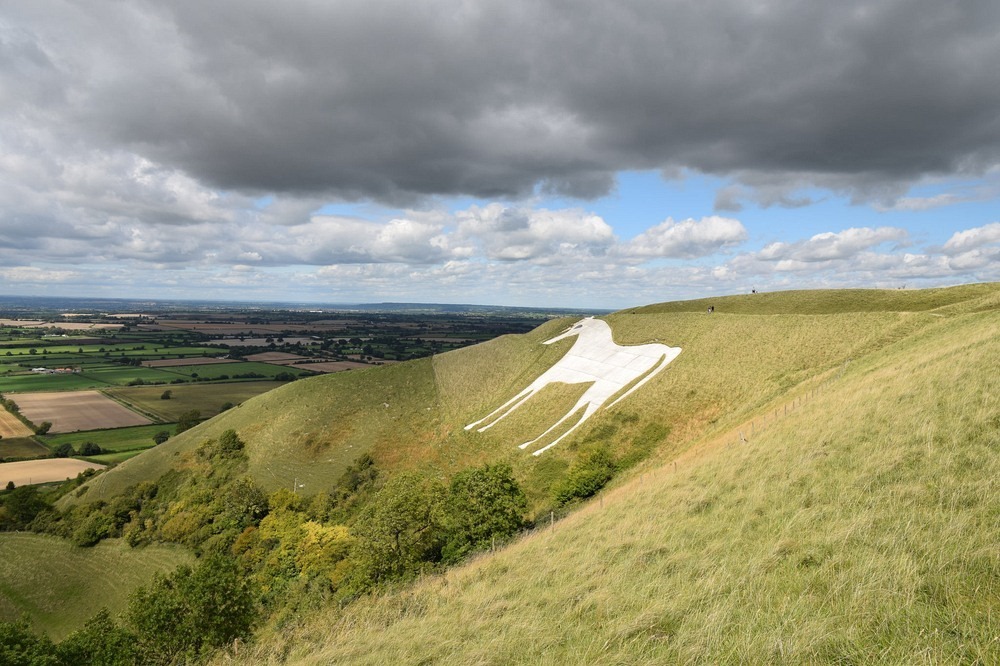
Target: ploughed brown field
x=69, y=411
x=329, y=366
x=42, y=471
x=275, y=358
x=11, y=426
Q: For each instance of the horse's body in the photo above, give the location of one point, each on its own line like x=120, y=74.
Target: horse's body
x=594, y=357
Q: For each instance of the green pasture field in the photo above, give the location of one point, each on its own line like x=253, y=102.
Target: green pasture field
x=115, y=439
x=21, y=447
x=206, y=398
x=213, y=371
x=113, y=458
x=31, y=382
x=121, y=376
x=60, y=586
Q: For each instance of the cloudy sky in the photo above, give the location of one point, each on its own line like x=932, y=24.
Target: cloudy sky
x=537, y=152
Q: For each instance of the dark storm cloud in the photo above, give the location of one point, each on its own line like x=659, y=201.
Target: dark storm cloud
x=396, y=100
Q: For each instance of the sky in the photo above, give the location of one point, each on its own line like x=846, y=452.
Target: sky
x=512, y=152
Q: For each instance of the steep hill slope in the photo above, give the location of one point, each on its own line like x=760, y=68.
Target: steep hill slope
x=59, y=586
x=752, y=352
x=858, y=523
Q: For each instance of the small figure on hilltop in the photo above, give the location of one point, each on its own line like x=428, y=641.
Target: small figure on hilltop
x=711, y=309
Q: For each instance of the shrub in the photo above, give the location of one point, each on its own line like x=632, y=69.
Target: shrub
x=185, y=616
x=90, y=449
x=587, y=476
x=187, y=420
x=64, y=450
x=484, y=504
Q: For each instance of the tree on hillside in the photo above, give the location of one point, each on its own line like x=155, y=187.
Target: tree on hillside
x=484, y=504
x=184, y=616
x=187, y=420
x=20, y=507
x=400, y=531
x=19, y=645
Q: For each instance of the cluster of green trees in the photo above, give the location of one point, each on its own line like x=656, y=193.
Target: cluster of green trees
x=264, y=553
x=66, y=450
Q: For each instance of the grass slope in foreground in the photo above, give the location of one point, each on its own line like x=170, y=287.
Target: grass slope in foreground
x=60, y=586
x=860, y=528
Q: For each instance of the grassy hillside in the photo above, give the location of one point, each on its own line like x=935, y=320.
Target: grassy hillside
x=755, y=350
x=859, y=523
x=310, y=430
x=59, y=586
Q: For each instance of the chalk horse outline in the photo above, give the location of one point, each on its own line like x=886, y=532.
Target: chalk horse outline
x=594, y=357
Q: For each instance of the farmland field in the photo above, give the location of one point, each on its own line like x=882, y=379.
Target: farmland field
x=60, y=586
x=206, y=398
x=216, y=370
x=116, y=439
x=123, y=376
x=46, y=470
x=21, y=447
x=330, y=366
x=32, y=382
x=196, y=360
x=278, y=358
x=77, y=410
x=11, y=426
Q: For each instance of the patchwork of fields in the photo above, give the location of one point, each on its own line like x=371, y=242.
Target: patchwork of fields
x=102, y=389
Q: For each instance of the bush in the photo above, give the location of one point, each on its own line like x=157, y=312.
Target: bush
x=64, y=450
x=161, y=437
x=166, y=395
x=192, y=612
x=187, y=420
x=484, y=504
x=90, y=449
x=400, y=531
x=587, y=476
x=18, y=645
x=43, y=427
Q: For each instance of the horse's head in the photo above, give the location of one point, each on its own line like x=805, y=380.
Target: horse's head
x=576, y=329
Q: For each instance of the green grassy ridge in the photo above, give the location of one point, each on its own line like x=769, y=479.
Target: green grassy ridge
x=60, y=586
x=861, y=528
x=732, y=366
x=830, y=301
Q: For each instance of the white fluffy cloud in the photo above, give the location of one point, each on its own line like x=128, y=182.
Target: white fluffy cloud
x=518, y=234
x=972, y=239
x=686, y=239
x=830, y=246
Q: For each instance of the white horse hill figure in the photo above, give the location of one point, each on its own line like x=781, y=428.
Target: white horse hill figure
x=594, y=357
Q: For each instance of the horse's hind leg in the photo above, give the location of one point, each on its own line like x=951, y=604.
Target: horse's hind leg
x=509, y=406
